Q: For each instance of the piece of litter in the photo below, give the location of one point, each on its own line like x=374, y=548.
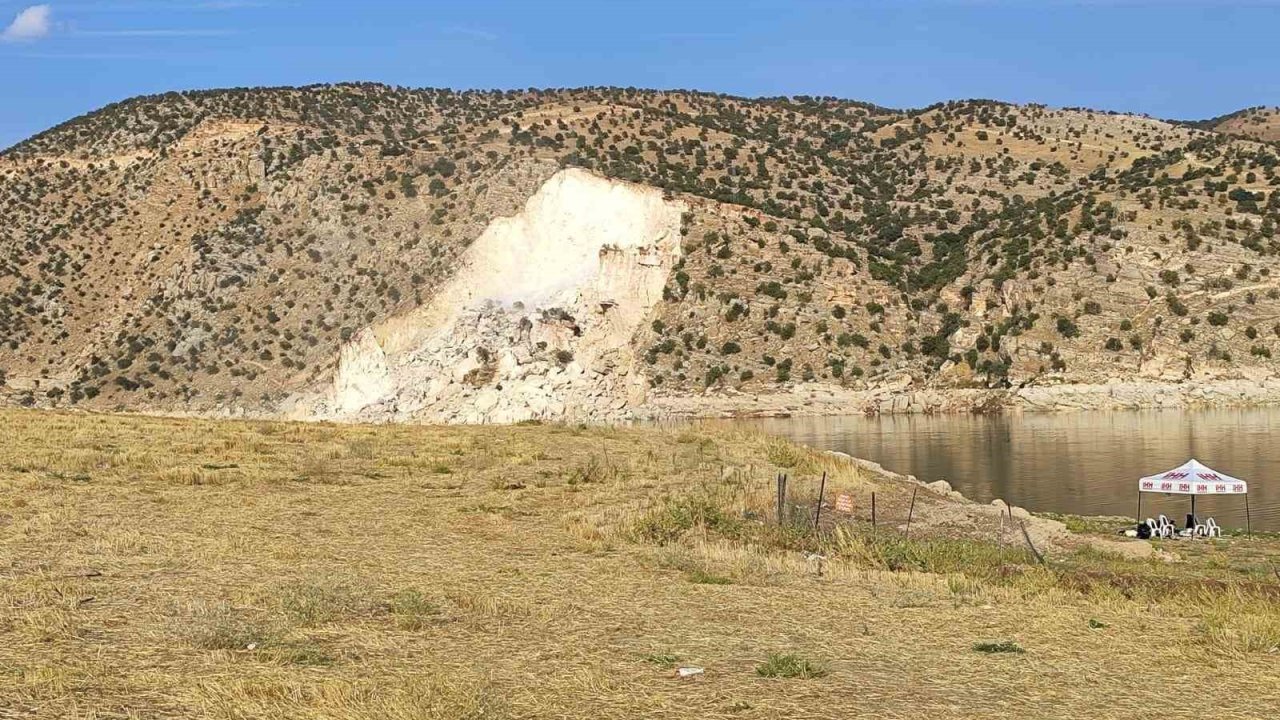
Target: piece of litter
x=687, y=672
x=251, y=646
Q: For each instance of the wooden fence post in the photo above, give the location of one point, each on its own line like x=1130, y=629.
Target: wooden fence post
x=1027, y=537
x=782, y=496
x=912, y=510
x=1248, y=522
x=822, y=490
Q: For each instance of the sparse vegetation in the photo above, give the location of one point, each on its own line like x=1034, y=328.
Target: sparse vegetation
x=1003, y=646
x=911, y=214
x=383, y=589
x=790, y=666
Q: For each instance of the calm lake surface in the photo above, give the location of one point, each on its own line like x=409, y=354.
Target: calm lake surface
x=1083, y=463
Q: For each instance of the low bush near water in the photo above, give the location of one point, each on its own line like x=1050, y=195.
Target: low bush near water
x=891, y=551
x=679, y=515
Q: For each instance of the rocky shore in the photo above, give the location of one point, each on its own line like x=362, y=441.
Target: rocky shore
x=821, y=399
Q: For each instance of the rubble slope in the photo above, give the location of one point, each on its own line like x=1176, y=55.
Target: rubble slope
x=536, y=322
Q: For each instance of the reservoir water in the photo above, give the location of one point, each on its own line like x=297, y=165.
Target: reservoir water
x=1084, y=463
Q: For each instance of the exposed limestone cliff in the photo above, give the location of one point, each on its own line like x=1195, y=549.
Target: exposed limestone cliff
x=537, y=321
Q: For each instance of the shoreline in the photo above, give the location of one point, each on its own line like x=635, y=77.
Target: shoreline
x=826, y=400
x=816, y=400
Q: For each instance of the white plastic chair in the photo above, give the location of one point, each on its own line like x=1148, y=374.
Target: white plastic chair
x=1211, y=528
x=1153, y=527
x=1167, y=528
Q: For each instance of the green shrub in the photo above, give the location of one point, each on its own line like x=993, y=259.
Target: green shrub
x=772, y=289
x=220, y=627
x=413, y=610
x=676, y=516
x=1004, y=646
x=885, y=551
x=784, y=454
x=311, y=604
x=789, y=665
x=699, y=576
x=1067, y=328
x=663, y=660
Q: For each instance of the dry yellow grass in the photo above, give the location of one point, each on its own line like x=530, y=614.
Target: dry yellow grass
x=178, y=568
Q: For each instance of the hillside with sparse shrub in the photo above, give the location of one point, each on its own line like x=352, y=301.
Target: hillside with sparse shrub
x=215, y=250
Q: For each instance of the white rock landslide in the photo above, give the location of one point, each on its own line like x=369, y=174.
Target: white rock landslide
x=536, y=323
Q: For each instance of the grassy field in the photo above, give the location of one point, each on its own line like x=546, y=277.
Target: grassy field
x=178, y=568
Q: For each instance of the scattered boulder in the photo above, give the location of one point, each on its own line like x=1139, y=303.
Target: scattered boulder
x=942, y=487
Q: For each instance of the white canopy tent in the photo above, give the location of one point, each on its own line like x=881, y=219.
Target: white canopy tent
x=1194, y=478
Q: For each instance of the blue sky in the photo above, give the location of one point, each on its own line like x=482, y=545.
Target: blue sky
x=1176, y=58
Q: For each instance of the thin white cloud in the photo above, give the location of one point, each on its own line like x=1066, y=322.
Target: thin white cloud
x=30, y=24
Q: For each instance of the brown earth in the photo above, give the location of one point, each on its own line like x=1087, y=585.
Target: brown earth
x=161, y=568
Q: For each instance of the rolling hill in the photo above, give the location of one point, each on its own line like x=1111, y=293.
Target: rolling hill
x=370, y=252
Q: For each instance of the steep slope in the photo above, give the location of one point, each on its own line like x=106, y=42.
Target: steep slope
x=536, y=321
x=1255, y=123
x=323, y=250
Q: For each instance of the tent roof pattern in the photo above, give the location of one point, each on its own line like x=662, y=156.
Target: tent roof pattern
x=1193, y=478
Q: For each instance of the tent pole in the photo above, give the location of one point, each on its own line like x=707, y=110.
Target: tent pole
x=1139, y=517
x=1248, y=524
x=1193, y=507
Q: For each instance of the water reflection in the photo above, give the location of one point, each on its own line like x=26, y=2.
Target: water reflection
x=1086, y=463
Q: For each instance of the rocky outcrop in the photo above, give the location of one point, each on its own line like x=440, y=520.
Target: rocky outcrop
x=1137, y=395
x=537, y=322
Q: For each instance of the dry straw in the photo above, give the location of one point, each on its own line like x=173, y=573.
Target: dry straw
x=186, y=568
